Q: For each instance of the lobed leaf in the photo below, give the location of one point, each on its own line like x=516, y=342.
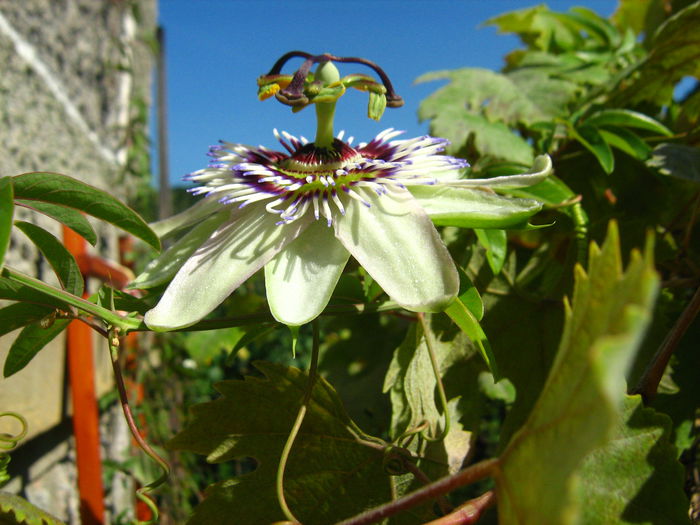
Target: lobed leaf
x=635, y=477
x=673, y=55
x=6, y=214
x=330, y=474
x=60, y=259
x=579, y=404
x=60, y=189
x=29, y=342
x=75, y=220
x=15, y=510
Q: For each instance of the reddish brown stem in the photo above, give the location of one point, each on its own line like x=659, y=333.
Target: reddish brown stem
x=437, y=488
x=468, y=513
x=651, y=378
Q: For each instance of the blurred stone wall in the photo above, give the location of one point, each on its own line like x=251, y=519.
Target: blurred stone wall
x=71, y=72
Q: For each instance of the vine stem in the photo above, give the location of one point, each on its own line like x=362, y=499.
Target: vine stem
x=430, y=344
x=113, y=342
x=111, y=318
x=468, y=513
x=649, y=382
x=442, y=486
x=279, y=484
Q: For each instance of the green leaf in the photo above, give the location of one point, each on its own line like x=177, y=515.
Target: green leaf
x=641, y=16
x=250, y=334
x=411, y=383
x=15, y=510
x=480, y=90
x=473, y=208
x=14, y=291
x=489, y=138
x=591, y=139
x=496, y=243
x=469, y=295
x=465, y=320
x=60, y=259
x=538, y=27
x=677, y=160
x=6, y=214
x=628, y=119
x=20, y=314
x=121, y=300
x=673, y=55
x=627, y=141
x=75, y=220
x=330, y=475
x=29, y=342
x=552, y=191
x=635, y=477
x=579, y=405
x=67, y=191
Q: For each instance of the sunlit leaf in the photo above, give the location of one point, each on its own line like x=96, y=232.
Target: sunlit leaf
x=330, y=474
x=672, y=56
x=60, y=189
x=635, y=477
x=15, y=510
x=579, y=404
x=28, y=343
x=495, y=242
x=72, y=218
x=628, y=119
x=465, y=320
x=469, y=295
x=6, y=214
x=60, y=259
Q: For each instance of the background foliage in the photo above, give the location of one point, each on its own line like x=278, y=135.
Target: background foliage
x=584, y=410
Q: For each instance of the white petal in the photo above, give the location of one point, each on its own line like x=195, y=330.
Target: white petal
x=191, y=215
x=169, y=262
x=302, y=277
x=398, y=245
x=235, y=251
x=541, y=169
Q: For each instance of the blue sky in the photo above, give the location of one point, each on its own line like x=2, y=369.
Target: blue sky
x=216, y=49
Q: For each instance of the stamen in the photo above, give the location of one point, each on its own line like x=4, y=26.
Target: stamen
x=327, y=211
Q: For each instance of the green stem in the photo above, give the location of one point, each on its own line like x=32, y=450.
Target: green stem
x=244, y=320
x=325, y=112
x=124, y=323
x=279, y=485
x=326, y=73
x=430, y=344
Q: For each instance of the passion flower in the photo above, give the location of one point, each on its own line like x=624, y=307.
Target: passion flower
x=301, y=213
